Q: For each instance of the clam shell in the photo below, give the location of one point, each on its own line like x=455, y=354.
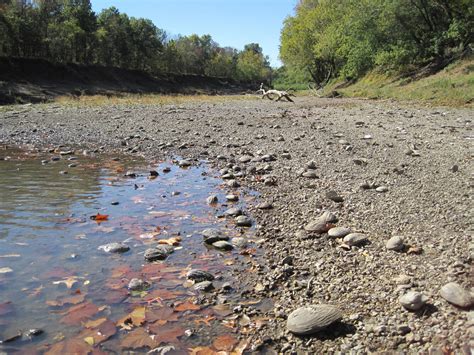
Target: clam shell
x=313, y=318
x=243, y=221
x=222, y=244
x=204, y=286
x=338, y=232
x=199, y=275
x=354, y=239
x=457, y=295
x=322, y=223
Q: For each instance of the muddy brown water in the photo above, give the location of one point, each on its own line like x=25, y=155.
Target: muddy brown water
x=54, y=278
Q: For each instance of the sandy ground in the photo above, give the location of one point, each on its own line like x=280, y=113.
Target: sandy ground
x=420, y=158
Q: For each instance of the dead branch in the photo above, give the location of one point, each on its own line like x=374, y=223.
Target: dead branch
x=271, y=94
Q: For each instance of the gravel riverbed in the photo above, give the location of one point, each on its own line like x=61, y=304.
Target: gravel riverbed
x=383, y=169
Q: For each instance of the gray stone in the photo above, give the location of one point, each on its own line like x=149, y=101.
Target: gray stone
x=321, y=224
x=138, y=285
x=114, y=248
x=222, y=244
x=160, y=252
x=395, y=243
x=413, y=301
x=213, y=235
x=355, y=239
x=243, y=221
x=233, y=212
x=339, y=232
x=199, y=275
x=454, y=293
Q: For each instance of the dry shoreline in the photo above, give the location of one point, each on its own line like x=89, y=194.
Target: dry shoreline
x=352, y=143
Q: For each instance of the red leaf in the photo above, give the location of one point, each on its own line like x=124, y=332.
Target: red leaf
x=79, y=313
x=100, y=217
x=138, y=339
x=165, y=334
x=224, y=343
x=187, y=306
x=71, y=346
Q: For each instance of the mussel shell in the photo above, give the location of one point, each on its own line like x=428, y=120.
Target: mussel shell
x=313, y=318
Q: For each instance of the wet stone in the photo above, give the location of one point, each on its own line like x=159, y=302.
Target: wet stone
x=114, y=248
x=233, y=212
x=212, y=200
x=213, y=235
x=243, y=221
x=160, y=252
x=138, y=285
x=199, y=275
x=239, y=242
x=223, y=245
x=232, y=198
x=204, y=286
x=184, y=163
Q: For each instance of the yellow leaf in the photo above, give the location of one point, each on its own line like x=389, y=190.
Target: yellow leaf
x=89, y=340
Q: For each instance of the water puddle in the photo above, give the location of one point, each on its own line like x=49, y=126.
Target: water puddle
x=60, y=293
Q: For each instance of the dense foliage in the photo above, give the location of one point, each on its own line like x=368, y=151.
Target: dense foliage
x=68, y=31
x=347, y=38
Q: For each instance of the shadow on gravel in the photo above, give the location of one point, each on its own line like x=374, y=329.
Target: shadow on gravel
x=336, y=330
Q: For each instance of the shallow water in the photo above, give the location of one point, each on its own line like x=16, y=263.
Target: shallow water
x=54, y=278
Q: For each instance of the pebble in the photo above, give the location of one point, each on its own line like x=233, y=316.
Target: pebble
x=213, y=235
x=243, y=221
x=160, y=252
x=355, y=239
x=339, y=232
x=395, y=243
x=310, y=174
x=413, y=300
x=333, y=195
x=138, y=285
x=212, y=200
x=239, y=242
x=198, y=275
x=184, y=163
x=233, y=212
x=204, y=286
x=265, y=206
x=114, y=248
x=222, y=244
x=312, y=319
x=232, y=198
x=455, y=294
x=321, y=224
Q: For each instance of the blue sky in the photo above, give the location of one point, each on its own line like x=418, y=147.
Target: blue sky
x=231, y=23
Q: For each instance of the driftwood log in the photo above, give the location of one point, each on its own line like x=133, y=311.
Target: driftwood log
x=271, y=94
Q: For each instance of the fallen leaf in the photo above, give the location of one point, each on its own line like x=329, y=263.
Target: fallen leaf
x=89, y=340
x=174, y=241
x=222, y=310
x=71, y=346
x=76, y=299
x=100, y=217
x=138, y=339
x=161, y=315
x=115, y=296
x=69, y=282
x=94, y=323
x=99, y=333
x=165, y=334
x=134, y=319
x=224, y=342
x=187, y=306
x=201, y=350
x=79, y=313
x=241, y=347
x=207, y=320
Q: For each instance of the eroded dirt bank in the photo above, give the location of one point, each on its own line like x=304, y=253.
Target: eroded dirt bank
x=420, y=157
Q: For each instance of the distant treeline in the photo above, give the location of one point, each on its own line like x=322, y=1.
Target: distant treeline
x=347, y=38
x=68, y=31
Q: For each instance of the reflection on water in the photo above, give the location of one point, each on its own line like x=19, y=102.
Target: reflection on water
x=54, y=278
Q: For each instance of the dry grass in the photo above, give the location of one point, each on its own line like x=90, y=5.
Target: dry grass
x=453, y=86
x=147, y=99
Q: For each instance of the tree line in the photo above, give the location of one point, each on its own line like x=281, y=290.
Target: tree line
x=68, y=31
x=347, y=38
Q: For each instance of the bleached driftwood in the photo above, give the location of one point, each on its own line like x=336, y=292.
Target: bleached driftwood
x=270, y=94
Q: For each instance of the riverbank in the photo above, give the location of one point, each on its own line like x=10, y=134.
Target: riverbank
x=299, y=157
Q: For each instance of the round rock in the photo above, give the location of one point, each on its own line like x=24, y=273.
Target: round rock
x=243, y=221
x=199, y=275
x=114, y=248
x=313, y=318
x=355, y=239
x=395, y=243
x=212, y=235
x=413, y=301
x=455, y=294
x=339, y=232
x=233, y=212
x=160, y=252
x=223, y=245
